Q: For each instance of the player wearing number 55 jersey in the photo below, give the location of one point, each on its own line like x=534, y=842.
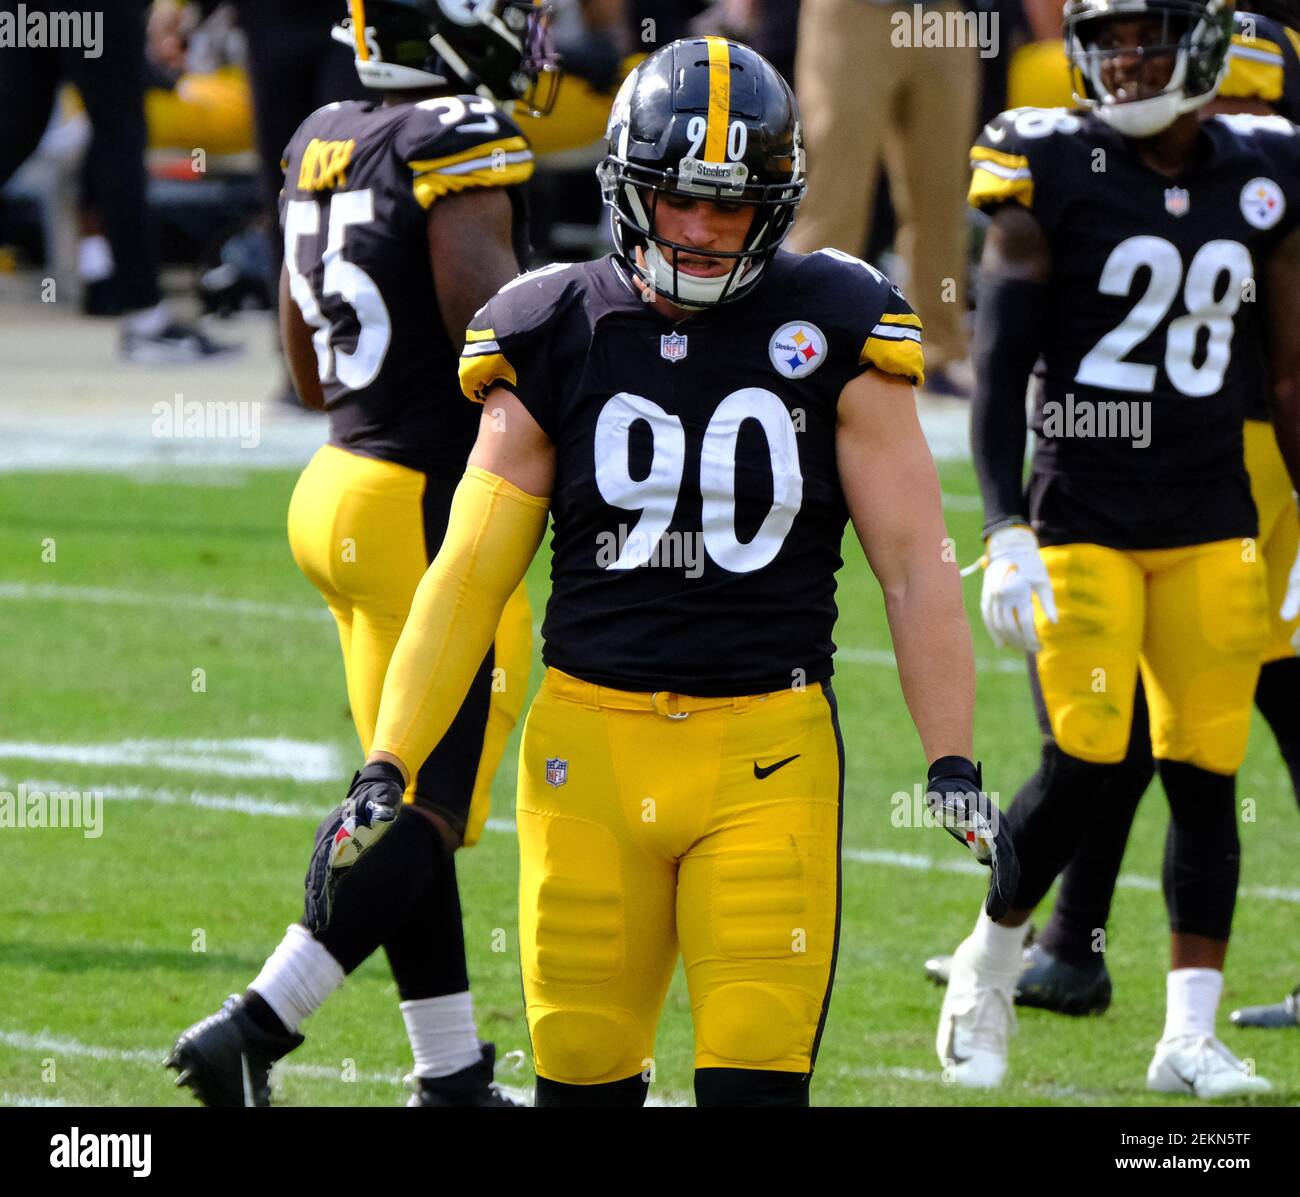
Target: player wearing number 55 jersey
x=701, y=414
x=401, y=218
x=1153, y=261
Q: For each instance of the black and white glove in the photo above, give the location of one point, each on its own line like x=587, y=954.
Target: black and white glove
x=955, y=796
x=374, y=800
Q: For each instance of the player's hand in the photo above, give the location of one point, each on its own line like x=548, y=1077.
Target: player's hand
x=373, y=802
x=1291, y=602
x=1013, y=574
x=956, y=798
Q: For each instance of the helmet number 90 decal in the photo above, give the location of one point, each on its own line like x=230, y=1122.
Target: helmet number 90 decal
x=737, y=137
x=655, y=495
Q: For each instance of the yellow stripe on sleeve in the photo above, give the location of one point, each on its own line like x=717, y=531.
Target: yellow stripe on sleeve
x=478, y=373
x=1251, y=77
x=715, y=140
x=485, y=149
x=904, y=358
x=434, y=184
x=997, y=177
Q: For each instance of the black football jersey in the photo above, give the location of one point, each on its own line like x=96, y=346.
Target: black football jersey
x=1154, y=345
x=359, y=178
x=697, y=507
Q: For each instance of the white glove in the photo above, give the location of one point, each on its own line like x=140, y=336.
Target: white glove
x=1291, y=603
x=1013, y=574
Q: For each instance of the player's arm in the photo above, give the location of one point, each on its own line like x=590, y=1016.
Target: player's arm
x=471, y=253
x=1283, y=290
x=892, y=491
x=299, y=353
x=498, y=516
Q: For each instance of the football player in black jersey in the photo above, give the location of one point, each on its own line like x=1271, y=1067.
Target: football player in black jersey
x=1064, y=968
x=701, y=414
x=1126, y=247
x=401, y=218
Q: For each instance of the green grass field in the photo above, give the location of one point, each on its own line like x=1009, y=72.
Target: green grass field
x=153, y=580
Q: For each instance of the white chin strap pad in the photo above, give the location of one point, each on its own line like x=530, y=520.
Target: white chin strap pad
x=691, y=290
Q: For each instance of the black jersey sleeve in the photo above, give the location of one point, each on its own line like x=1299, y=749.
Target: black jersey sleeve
x=455, y=143
x=513, y=337
x=1017, y=159
x=868, y=322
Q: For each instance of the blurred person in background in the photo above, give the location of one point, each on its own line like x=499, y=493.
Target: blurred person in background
x=868, y=100
x=111, y=84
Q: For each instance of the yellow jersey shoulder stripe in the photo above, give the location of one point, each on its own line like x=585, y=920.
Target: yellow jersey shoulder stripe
x=910, y=318
x=894, y=354
x=480, y=370
x=485, y=149
x=434, y=184
x=1255, y=69
x=994, y=182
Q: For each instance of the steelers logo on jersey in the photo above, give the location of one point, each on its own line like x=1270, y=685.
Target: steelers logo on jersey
x=1262, y=203
x=797, y=349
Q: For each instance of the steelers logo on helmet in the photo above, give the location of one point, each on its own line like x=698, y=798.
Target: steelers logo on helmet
x=797, y=349
x=1262, y=203
x=710, y=119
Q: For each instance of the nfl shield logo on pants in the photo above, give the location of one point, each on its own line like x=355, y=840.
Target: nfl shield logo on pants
x=557, y=771
x=672, y=347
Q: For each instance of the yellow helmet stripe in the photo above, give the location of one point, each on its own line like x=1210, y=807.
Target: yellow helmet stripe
x=358, y=8
x=715, y=140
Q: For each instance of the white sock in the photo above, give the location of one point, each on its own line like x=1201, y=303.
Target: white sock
x=1192, y=1001
x=297, y=977
x=94, y=258
x=148, y=322
x=999, y=948
x=442, y=1033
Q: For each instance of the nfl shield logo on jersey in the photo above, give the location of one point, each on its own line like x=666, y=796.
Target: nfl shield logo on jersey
x=1177, y=201
x=672, y=347
x=557, y=770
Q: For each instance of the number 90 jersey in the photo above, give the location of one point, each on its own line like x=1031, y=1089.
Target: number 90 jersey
x=1153, y=348
x=697, y=503
x=359, y=180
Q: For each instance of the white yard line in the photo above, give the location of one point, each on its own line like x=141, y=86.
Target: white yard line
x=108, y=596
x=246, y=804
x=301, y=760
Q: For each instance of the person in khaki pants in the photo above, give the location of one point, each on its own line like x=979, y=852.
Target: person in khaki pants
x=864, y=100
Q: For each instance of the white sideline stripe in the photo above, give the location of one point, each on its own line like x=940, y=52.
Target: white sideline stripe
x=923, y=1076
x=25, y=1099
x=104, y=595
x=245, y=804
x=300, y=760
x=848, y=655
x=44, y=1041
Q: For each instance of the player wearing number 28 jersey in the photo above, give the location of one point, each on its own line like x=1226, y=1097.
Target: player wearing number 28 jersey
x=1152, y=260
x=701, y=414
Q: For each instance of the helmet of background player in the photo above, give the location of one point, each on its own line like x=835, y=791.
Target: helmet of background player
x=710, y=119
x=1194, y=39
x=498, y=49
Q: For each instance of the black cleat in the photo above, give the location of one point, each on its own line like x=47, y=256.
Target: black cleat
x=1285, y=1013
x=470, y=1086
x=226, y=1058
x=1049, y=983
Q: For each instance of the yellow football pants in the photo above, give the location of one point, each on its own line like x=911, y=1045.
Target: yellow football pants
x=1279, y=528
x=357, y=531
x=1194, y=620
x=653, y=823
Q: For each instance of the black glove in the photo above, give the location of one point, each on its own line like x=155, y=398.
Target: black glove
x=373, y=802
x=955, y=796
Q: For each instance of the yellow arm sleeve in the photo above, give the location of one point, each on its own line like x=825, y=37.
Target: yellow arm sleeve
x=492, y=533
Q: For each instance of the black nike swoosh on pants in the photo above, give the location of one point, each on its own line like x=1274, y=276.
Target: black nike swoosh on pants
x=770, y=769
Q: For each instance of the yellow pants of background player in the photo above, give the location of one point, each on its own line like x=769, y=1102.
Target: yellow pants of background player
x=357, y=530
x=1193, y=619
x=1279, y=529
x=641, y=834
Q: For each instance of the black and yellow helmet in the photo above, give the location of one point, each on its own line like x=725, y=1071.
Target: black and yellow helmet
x=499, y=49
x=709, y=118
x=1196, y=34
